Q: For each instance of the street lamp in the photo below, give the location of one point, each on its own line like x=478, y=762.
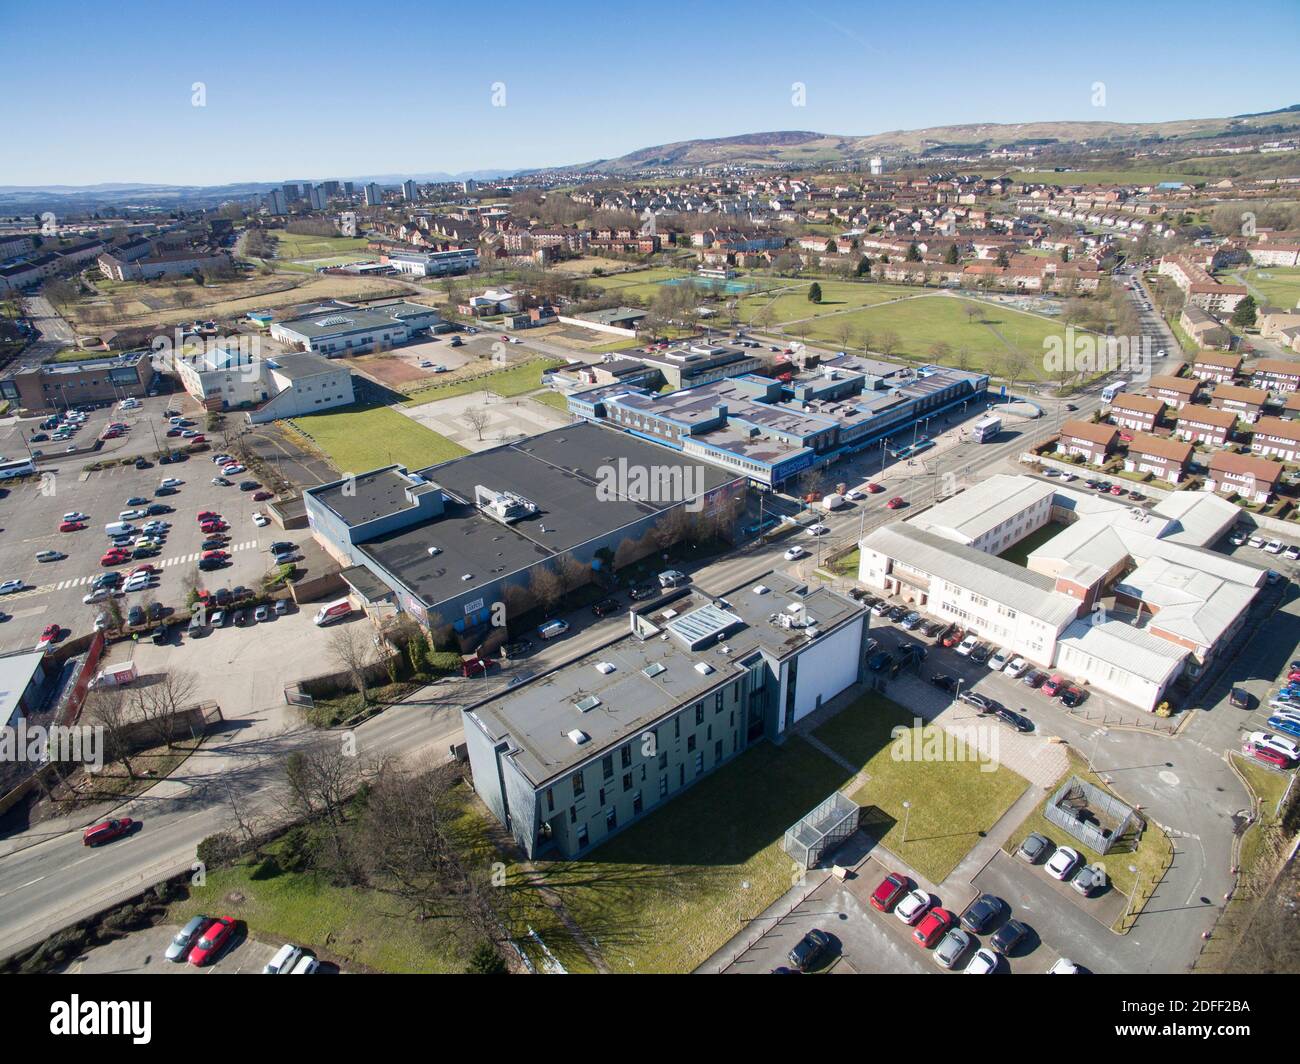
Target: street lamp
x=907, y=813
x=1132, y=897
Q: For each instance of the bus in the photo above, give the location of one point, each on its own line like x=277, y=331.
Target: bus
x=986, y=428
x=1111, y=390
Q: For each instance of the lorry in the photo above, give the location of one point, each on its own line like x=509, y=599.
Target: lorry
x=333, y=611
x=833, y=501
x=986, y=428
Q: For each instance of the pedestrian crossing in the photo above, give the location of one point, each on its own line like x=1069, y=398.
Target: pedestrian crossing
x=165, y=563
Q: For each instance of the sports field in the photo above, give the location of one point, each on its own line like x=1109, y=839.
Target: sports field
x=358, y=439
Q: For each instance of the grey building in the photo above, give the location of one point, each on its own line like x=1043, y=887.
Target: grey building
x=577, y=754
x=450, y=539
x=348, y=330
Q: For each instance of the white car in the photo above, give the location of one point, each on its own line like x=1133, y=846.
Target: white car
x=156, y=526
x=1237, y=539
x=817, y=530
x=1063, y=966
x=95, y=596
x=260, y=520
x=1062, y=863
x=1016, y=667
x=998, y=661
x=914, y=906
x=136, y=583
x=1273, y=546
x=50, y=555
x=1279, y=745
x=854, y=494
x=1292, y=554
x=76, y=515
x=170, y=482
x=10, y=586
x=1257, y=542
x=967, y=645
x=515, y=340
x=222, y=458
x=983, y=962
x=232, y=470
x=794, y=552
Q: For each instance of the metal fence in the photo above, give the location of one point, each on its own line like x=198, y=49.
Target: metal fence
x=1081, y=810
x=822, y=831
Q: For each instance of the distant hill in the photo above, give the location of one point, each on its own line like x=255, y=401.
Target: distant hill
x=805, y=148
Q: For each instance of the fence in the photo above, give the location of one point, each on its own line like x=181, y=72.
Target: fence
x=1076, y=797
x=821, y=831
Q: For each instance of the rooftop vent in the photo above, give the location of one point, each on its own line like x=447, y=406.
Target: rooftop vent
x=760, y=589
x=703, y=668
x=604, y=667
x=578, y=737
x=587, y=704
x=654, y=669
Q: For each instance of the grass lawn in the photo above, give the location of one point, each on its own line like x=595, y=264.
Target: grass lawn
x=1280, y=284
x=359, y=439
x=1019, y=552
x=1268, y=787
x=305, y=246
x=516, y=380
x=953, y=801
x=793, y=305
x=638, y=284
x=1154, y=854
x=1100, y=177
x=846, y=566
x=922, y=323
x=553, y=399
x=667, y=893
x=72, y=354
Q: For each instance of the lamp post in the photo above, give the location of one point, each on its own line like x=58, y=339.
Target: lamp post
x=907, y=814
x=1132, y=897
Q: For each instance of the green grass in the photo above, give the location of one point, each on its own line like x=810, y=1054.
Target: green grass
x=305, y=246
x=669, y=892
x=921, y=323
x=553, y=399
x=953, y=801
x=1019, y=552
x=1153, y=855
x=72, y=354
x=359, y=439
x=848, y=565
x=517, y=380
x=1268, y=787
x=793, y=305
x=1280, y=284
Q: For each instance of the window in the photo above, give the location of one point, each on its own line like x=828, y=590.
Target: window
x=663, y=761
x=717, y=751
x=690, y=743
x=582, y=837
x=681, y=775
x=550, y=800
x=663, y=786
x=699, y=762
x=625, y=755
x=573, y=814
x=611, y=819
x=600, y=796
x=699, y=713
x=627, y=782
x=636, y=804
x=607, y=767
x=579, y=788
x=677, y=727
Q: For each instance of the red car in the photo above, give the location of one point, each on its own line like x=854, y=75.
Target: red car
x=142, y=569
x=210, y=527
x=1116, y=490
x=219, y=554
x=215, y=938
x=115, y=557
x=261, y=496
x=1053, y=685
x=875, y=488
x=106, y=831
x=173, y=432
x=71, y=526
x=51, y=633
x=208, y=515
x=933, y=926
x=891, y=888
x=1293, y=676
x=954, y=637
x=1264, y=754
x=895, y=503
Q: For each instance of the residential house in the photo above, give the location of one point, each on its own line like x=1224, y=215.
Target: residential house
x=1141, y=413
x=1246, y=403
x=1205, y=424
x=1175, y=391
x=1164, y=458
x=1275, y=437
x=1088, y=439
x=1221, y=369
x=1254, y=479
x=1276, y=374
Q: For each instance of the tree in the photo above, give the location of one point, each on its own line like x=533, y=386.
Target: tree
x=972, y=311
x=1013, y=363
x=814, y=293
x=1002, y=259
x=913, y=252
x=486, y=960
x=864, y=266
x=951, y=256
x=887, y=342
x=940, y=352
x=1244, y=316
x=844, y=331
x=545, y=588
x=159, y=704
x=105, y=708
x=353, y=651
x=477, y=418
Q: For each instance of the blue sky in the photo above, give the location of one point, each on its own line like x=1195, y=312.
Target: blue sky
x=325, y=89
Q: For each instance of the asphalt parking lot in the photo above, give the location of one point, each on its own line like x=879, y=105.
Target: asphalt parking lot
x=144, y=953
x=29, y=521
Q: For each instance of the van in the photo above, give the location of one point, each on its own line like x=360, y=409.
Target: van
x=553, y=628
x=672, y=578
x=119, y=528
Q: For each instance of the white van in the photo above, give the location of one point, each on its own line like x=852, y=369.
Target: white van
x=119, y=528
x=553, y=628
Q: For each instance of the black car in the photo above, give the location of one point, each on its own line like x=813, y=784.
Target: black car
x=981, y=653
x=944, y=683
x=810, y=949
x=213, y=544
x=249, y=485
x=605, y=606
x=208, y=564
x=165, y=491
x=222, y=595
x=106, y=580
x=279, y=546
x=161, y=636
x=143, y=463
x=1009, y=936
x=646, y=591
x=897, y=613
x=39, y=437
x=981, y=913
x=158, y=508
x=136, y=500
x=1013, y=719
x=857, y=594
x=155, y=611
x=1033, y=678
x=135, y=616
x=240, y=617
x=879, y=660
x=936, y=630
x=1240, y=698
x=1071, y=696
x=518, y=648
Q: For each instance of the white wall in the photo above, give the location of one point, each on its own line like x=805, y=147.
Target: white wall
x=827, y=668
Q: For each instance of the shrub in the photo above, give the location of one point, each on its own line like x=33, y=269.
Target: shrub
x=485, y=960
x=444, y=661
x=218, y=849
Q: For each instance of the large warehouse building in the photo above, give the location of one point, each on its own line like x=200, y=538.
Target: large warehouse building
x=448, y=540
x=580, y=753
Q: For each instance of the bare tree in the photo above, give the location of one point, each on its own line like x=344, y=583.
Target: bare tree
x=160, y=704
x=351, y=648
x=888, y=342
x=573, y=574
x=476, y=418
x=545, y=587
x=106, y=708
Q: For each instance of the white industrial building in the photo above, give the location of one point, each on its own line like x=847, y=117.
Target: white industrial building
x=350, y=330
x=1113, y=573
x=287, y=385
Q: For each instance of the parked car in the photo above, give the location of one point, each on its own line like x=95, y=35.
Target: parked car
x=896, y=503
x=983, y=962
x=810, y=949
x=952, y=948
x=1088, y=880
x=1009, y=936
x=967, y=645
x=1012, y=719
x=1062, y=863
x=215, y=938
x=1033, y=847
x=915, y=905
x=1286, y=747
x=184, y=939
x=1033, y=678
x=944, y=682
x=980, y=653
x=999, y=659
x=1053, y=685
x=981, y=913
x=1071, y=696
x=1016, y=667
x=954, y=637
x=889, y=891
x=932, y=926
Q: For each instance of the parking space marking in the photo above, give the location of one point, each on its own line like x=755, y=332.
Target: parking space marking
x=80, y=581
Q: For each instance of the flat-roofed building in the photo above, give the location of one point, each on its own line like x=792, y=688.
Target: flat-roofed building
x=571, y=758
x=350, y=330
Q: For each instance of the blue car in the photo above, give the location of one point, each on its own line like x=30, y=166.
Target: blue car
x=1285, y=724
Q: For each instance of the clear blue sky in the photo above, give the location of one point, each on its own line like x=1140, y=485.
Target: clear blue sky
x=102, y=91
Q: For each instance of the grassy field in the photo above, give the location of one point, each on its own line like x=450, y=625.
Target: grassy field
x=304, y=246
x=552, y=399
x=358, y=439
x=1280, y=284
x=791, y=303
x=1154, y=853
x=517, y=380
x=640, y=284
x=953, y=801
x=670, y=891
x=921, y=323
x=1268, y=787
x=1019, y=552
x=72, y=354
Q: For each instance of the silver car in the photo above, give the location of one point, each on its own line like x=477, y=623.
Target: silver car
x=185, y=938
x=952, y=948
